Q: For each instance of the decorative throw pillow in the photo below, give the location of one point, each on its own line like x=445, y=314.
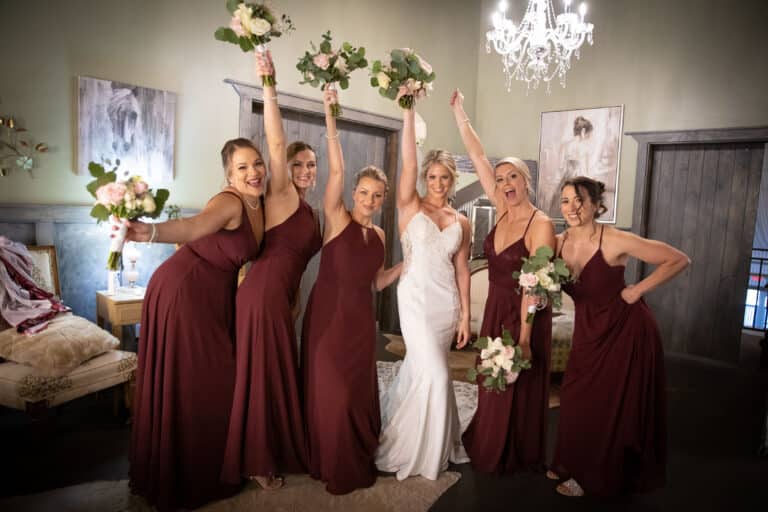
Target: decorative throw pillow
x=68, y=342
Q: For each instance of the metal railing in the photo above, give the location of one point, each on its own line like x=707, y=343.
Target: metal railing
x=756, y=304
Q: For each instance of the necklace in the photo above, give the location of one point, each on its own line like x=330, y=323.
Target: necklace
x=258, y=204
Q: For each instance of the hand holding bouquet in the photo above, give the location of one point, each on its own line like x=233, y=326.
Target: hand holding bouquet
x=406, y=75
x=543, y=278
x=126, y=199
x=252, y=26
x=326, y=66
x=501, y=361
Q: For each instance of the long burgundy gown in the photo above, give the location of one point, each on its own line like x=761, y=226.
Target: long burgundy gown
x=508, y=431
x=186, y=371
x=612, y=436
x=266, y=427
x=339, y=362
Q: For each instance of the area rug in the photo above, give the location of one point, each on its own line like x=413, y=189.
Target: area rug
x=300, y=493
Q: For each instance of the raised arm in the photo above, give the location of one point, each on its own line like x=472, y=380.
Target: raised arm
x=407, y=196
x=668, y=260
x=473, y=146
x=280, y=180
x=333, y=200
x=461, y=264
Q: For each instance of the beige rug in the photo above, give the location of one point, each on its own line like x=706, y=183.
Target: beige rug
x=300, y=493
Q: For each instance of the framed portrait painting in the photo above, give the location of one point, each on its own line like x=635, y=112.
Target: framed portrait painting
x=583, y=142
x=133, y=124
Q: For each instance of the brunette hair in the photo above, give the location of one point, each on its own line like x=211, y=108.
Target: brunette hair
x=595, y=189
x=371, y=171
x=581, y=123
x=294, y=148
x=229, y=149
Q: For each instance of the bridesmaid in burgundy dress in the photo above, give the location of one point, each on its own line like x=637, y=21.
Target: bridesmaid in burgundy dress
x=612, y=434
x=339, y=333
x=186, y=371
x=266, y=429
x=508, y=431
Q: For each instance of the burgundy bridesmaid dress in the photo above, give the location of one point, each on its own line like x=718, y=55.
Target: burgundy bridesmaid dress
x=612, y=433
x=186, y=372
x=266, y=428
x=339, y=362
x=508, y=431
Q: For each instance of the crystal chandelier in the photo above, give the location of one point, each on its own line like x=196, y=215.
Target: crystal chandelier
x=540, y=48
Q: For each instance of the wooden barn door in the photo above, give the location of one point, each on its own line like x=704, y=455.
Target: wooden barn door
x=701, y=197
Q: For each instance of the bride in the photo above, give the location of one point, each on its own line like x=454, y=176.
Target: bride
x=420, y=421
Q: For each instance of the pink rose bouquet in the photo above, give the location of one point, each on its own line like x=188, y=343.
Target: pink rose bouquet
x=325, y=66
x=501, y=361
x=253, y=25
x=405, y=73
x=130, y=199
x=543, y=277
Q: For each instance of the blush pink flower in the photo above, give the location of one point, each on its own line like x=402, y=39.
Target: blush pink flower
x=140, y=187
x=111, y=194
x=528, y=280
x=424, y=65
x=321, y=60
x=236, y=25
x=511, y=377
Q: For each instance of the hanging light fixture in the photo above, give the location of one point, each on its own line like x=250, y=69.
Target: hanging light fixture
x=540, y=48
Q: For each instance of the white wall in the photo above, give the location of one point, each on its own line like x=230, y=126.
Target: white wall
x=169, y=44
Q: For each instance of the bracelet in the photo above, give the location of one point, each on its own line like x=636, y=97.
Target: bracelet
x=154, y=234
x=332, y=138
x=270, y=98
x=465, y=120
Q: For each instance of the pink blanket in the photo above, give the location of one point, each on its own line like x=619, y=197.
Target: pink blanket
x=23, y=304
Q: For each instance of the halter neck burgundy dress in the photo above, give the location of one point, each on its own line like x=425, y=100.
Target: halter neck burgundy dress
x=266, y=427
x=508, y=431
x=612, y=433
x=339, y=362
x=186, y=371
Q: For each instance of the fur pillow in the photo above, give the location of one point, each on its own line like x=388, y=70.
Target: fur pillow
x=65, y=344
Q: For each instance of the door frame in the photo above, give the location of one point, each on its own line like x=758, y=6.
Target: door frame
x=648, y=140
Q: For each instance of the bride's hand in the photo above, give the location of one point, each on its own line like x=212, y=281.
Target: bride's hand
x=264, y=65
x=457, y=100
x=463, y=334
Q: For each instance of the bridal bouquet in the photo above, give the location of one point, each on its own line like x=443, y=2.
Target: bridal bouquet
x=543, y=278
x=501, y=361
x=326, y=66
x=253, y=26
x=122, y=199
x=406, y=72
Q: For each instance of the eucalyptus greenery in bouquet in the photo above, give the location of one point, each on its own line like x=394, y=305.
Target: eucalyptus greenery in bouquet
x=543, y=277
x=501, y=361
x=406, y=73
x=325, y=66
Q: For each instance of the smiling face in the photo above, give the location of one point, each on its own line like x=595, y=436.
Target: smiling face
x=511, y=184
x=368, y=196
x=439, y=181
x=576, y=206
x=246, y=172
x=303, y=167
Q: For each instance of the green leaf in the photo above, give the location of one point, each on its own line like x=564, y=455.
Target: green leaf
x=361, y=51
x=391, y=93
x=481, y=343
x=347, y=47
x=472, y=375
x=100, y=212
x=344, y=83
x=325, y=47
x=362, y=64
x=245, y=44
x=545, y=252
x=161, y=196
x=232, y=5
x=226, y=34
x=374, y=81
x=95, y=169
x=376, y=67
x=398, y=56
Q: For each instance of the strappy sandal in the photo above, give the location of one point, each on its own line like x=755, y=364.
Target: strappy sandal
x=268, y=483
x=552, y=475
x=570, y=488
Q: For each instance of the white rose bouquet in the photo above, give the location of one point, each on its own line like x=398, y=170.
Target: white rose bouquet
x=406, y=73
x=325, y=66
x=543, y=277
x=253, y=26
x=130, y=199
x=501, y=361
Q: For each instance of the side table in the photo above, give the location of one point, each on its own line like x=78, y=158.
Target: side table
x=119, y=309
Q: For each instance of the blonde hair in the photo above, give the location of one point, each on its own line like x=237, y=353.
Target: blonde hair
x=373, y=172
x=229, y=149
x=521, y=167
x=444, y=158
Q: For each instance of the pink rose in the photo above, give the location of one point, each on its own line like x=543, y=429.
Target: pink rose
x=528, y=280
x=321, y=60
x=511, y=377
x=111, y=194
x=509, y=352
x=403, y=90
x=236, y=25
x=140, y=187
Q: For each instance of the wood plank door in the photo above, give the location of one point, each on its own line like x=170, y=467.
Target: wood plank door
x=702, y=198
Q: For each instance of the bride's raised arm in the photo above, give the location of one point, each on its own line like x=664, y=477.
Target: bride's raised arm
x=407, y=196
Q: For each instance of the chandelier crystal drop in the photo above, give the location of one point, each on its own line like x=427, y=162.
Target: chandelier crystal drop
x=540, y=47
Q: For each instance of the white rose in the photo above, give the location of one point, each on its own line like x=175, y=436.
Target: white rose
x=486, y=363
x=341, y=65
x=245, y=14
x=130, y=204
x=383, y=79
x=554, y=287
x=259, y=26
x=544, y=279
x=148, y=204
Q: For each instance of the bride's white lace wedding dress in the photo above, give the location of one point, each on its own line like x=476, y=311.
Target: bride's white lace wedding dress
x=420, y=423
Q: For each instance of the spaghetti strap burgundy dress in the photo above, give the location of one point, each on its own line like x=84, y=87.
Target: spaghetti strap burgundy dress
x=508, y=431
x=186, y=372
